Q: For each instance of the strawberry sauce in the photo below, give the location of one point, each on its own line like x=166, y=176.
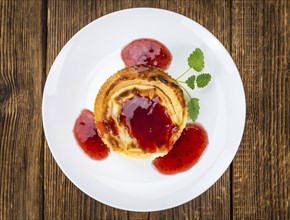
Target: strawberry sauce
x=186, y=151
x=87, y=137
x=148, y=122
x=146, y=51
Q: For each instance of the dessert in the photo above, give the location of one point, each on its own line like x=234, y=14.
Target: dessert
x=140, y=111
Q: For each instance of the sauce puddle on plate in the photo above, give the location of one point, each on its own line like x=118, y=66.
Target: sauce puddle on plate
x=87, y=136
x=186, y=151
x=146, y=51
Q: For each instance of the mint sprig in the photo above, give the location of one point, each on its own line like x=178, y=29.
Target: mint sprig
x=193, y=108
x=190, y=82
x=203, y=80
x=196, y=62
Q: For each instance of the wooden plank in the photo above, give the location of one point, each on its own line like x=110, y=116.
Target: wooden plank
x=22, y=61
x=62, y=199
x=260, y=47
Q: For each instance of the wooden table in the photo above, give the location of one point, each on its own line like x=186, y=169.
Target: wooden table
x=255, y=186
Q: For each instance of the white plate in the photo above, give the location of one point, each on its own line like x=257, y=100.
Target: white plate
x=83, y=65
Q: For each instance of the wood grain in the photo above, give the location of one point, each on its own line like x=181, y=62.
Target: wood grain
x=21, y=83
x=256, y=33
x=260, y=47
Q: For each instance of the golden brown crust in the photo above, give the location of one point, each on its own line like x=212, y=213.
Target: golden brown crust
x=145, y=81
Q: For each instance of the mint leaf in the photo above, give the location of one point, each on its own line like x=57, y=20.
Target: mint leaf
x=190, y=82
x=202, y=80
x=193, y=108
x=196, y=60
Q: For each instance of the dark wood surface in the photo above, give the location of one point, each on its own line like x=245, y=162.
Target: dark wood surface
x=255, y=186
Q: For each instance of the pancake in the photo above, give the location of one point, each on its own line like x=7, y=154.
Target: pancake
x=140, y=111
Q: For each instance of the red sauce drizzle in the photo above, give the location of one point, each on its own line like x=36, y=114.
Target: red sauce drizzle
x=111, y=126
x=185, y=152
x=147, y=121
x=87, y=137
x=146, y=51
